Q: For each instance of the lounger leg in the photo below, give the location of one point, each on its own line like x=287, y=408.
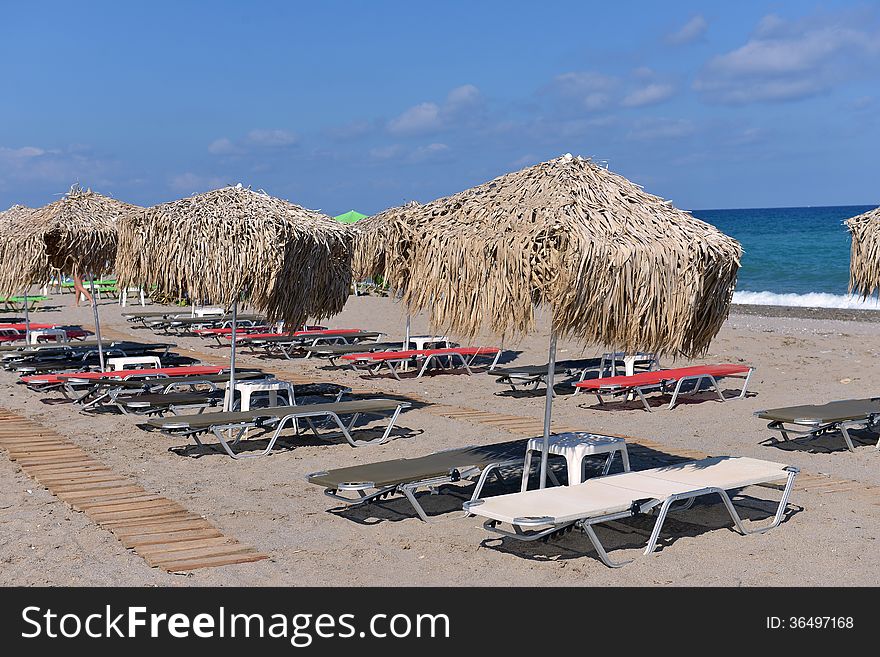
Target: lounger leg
x=600, y=549
x=362, y=443
x=425, y=366
x=392, y=368
x=583, y=376
x=742, y=393
x=527, y=468
x=644, y=401
x=780, y=510
x=390, y=427
x=406, y=490
x=715, y=385
x=845, y=433
x=676, y=391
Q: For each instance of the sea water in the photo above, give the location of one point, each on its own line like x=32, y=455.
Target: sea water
x=792, y=256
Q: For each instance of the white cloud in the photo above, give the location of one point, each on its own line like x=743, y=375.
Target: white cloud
x=661, y=128
x=786, y=60
x=271, y=138
x=255, y=140
x=691, y=31
x=435, y=151
x=424, y=117
x=222, y=146
x=650, y=94
x=590, y=90
x=461, y=106
x=386, y=152
x=51, y=167
x=464, y=96
x=189, y=183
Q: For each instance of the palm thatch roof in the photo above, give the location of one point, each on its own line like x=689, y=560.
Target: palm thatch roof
x=233, y=244
x=864, y=261
x=75, y=234
x=619, y=267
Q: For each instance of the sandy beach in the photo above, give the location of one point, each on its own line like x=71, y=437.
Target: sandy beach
x=801, y=356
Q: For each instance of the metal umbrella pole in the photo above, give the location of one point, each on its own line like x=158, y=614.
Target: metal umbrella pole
x=548, y=404
x=230, y=396
x=97, y=321
x=27, y=319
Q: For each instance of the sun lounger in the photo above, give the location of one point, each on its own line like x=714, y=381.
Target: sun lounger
x=837, y=416
x=332, y=352
x=176, y=402
x=82, y=386
x=376, y=361
x=42, y=358
x=375, y=481
x=82, y=361
x=187, y=325
x=534, y=376
x=292, y=344
x=276, y=418
x=664, y=380
x=548, y=512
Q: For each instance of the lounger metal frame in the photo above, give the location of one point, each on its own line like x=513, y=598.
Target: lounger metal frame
x=533, y=529
x=375, y=367
x=664, y=386
x=237, y=430
x=817, y=428
x=432, y=484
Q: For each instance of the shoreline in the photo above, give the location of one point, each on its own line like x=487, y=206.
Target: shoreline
x=802, y=312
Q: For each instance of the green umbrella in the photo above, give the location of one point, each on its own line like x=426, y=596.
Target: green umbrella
x=350, y=217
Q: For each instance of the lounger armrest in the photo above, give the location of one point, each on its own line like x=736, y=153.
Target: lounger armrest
x=356, y=485
x=534, y=521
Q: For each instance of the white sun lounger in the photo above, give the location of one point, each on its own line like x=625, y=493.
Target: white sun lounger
x=546, y=512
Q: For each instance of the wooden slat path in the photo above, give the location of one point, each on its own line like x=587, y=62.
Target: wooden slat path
x=158, y=529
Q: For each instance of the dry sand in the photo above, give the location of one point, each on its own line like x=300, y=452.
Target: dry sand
x=801, y=357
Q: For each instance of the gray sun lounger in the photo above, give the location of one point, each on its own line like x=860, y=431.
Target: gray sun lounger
x=290, y=345
x=551, y=512
x=334, y=351
x=535, y=375
x=276, y=418
x=175, y=402
x=837, y=416
x=375, y=481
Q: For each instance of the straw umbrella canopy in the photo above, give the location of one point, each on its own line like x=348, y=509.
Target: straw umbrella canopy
x=864, y=262
x=75, y=234
x=615, y=265
x=10, y=220
x=371, y=236
x=233, y=244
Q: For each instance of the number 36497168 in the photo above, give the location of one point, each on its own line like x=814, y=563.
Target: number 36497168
x=810, y=622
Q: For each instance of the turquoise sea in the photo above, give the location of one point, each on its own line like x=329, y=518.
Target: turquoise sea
x=792, y=256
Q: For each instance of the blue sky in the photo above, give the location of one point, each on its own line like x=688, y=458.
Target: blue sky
x=340, y=105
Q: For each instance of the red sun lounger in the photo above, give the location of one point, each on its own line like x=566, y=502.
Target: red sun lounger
x=188, y=370
x=663, y=381
x=374, y=361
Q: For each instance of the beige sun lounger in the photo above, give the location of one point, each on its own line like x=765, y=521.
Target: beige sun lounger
x=543, y=513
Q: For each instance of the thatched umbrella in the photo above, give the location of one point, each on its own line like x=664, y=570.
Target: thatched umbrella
x=371, y=235
x=76, y=234
x=864, y=261
x=615, y=265
x=234, y=244
x=10, y=220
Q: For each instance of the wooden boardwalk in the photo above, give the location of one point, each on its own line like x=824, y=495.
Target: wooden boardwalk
x=158, y=529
